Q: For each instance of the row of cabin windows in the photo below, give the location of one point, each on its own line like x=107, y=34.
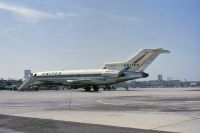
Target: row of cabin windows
x=73, y=75
x=130, y=65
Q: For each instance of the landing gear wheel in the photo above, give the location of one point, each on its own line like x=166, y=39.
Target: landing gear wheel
x=88, y=89
x=107, y=87
x=95, y=88
x=36, y=88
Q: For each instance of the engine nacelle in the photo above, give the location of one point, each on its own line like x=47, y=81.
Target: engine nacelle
x=110, y=73
x=131, y=74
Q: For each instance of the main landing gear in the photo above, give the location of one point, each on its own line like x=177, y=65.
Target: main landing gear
x=88, y=88
x=109, y=88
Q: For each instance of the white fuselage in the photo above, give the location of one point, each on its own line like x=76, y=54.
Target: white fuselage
x=81, y=77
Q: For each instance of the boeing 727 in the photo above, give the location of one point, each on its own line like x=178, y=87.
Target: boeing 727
x=109, y=74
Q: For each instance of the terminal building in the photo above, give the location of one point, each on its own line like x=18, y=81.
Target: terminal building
x=160, y=77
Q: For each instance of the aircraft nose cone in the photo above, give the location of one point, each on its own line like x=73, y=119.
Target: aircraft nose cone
x=145, y=75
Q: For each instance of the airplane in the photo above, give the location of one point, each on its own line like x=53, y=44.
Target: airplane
x=109, y=74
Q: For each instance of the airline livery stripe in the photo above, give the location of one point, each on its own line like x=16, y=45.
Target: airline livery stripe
x=139, y=59
x=71, y=76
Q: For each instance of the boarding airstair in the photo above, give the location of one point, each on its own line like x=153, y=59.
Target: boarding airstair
x=27, y=82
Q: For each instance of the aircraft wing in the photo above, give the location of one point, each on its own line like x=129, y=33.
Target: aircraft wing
x=78, y=81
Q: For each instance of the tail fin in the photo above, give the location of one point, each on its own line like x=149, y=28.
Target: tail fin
x=138, y=62
x=144, y=58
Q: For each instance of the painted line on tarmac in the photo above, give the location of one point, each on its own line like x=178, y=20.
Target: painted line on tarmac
x=176, y=123
x=116, y=103
x=100, y=101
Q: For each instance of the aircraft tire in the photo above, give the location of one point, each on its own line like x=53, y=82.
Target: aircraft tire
x=88, y=89
x=95, y=88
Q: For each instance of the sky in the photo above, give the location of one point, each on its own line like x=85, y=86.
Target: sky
x=44, y=35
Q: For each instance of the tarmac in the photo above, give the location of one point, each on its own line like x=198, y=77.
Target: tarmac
x=138, y=110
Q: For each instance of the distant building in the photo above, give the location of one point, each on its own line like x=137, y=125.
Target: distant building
x=169, y=78
x=160, y=77
x=26, y=73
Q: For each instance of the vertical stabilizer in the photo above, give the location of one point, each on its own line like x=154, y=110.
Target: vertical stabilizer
x=144, y=58
x=138, y=62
